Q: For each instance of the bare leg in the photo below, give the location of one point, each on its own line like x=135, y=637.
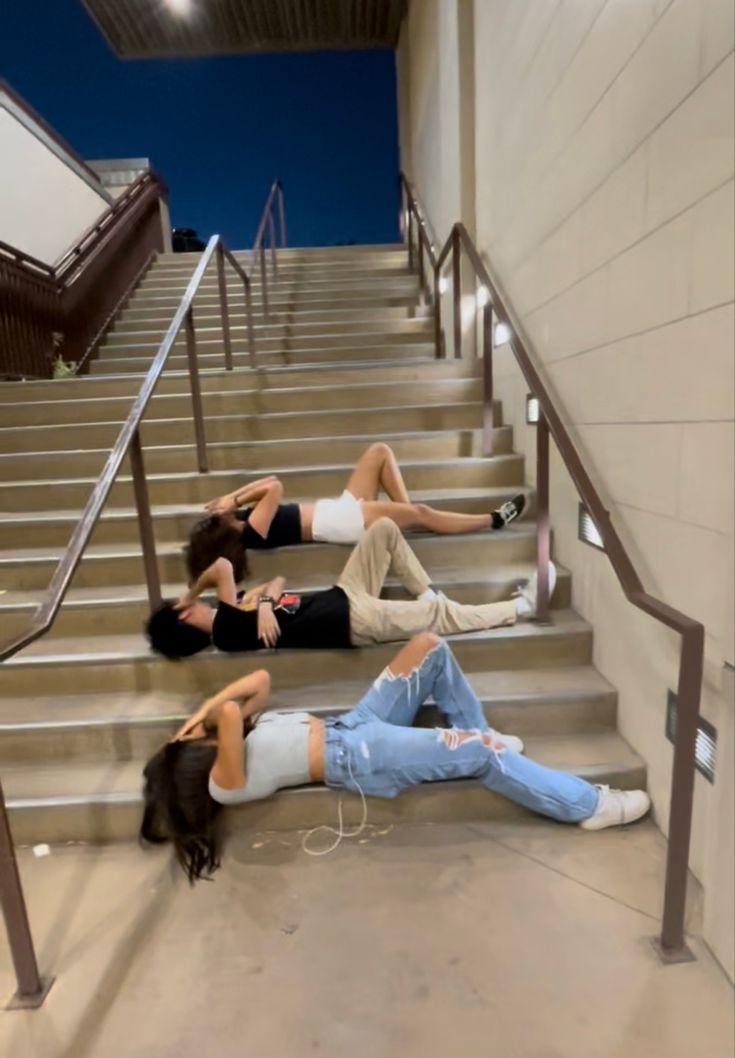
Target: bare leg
x=420, y=516
x=376, y=469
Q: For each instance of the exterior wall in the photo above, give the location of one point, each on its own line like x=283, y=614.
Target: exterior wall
x=45, y=204
x=604, y=175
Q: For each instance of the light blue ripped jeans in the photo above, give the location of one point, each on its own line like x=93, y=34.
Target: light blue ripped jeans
x=374, y=747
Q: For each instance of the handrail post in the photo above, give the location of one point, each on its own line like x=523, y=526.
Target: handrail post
x=264, y=282
x=422, y=273
x=409, y=238
x=32, y=990
x=272, y=237
x=438, y=344
x=671, y=944
x=224, y=306
x=249, y=312
x=196, y=393
x=282, y=215
x=145, y=522
x=543, y=541
x=457, y=292
x=488, y=396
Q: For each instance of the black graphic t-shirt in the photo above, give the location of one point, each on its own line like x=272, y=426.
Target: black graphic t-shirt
x=315, y=621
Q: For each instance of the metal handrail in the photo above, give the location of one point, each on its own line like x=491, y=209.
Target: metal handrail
x=267, y=220
x=671, y=943
x=31, y=988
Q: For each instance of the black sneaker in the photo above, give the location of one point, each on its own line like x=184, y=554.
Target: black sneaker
x=509, y=511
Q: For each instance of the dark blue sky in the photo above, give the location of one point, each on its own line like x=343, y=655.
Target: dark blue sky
x=218, y=130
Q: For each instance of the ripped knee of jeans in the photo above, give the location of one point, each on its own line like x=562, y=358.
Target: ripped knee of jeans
x=387, y=676
x=453, y=738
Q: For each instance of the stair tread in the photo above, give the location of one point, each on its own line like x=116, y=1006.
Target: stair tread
x=544, y=684
x=586, y=754
x=124, y=648
x=493, y=493
x=31, y=554
x=307, y=580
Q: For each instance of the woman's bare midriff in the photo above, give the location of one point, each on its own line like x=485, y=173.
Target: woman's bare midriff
x=306, y=511
x=317, y=742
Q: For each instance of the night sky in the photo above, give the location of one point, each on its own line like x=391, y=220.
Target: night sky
x=219, y=130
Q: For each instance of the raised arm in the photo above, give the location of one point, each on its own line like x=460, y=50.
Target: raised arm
x=218, y=576
x=249, y=493
x=251, y=692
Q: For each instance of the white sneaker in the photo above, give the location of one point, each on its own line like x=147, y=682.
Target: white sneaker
x=506, y=741
x=617, y=807
x=527, y=597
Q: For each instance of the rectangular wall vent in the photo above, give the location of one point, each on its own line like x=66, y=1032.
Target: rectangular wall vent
x=706, y=748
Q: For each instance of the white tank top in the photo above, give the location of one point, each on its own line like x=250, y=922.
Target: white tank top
x=276, y=755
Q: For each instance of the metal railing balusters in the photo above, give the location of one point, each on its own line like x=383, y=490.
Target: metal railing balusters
x=224, y=306
x=145, y=521
x=196, y=393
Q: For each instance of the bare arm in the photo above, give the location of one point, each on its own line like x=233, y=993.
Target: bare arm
x=228, y=770
x=251, y=691
x=250, y=493
x=218, y=576
x=262, y=515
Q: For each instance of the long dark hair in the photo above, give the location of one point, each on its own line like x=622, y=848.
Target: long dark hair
x=212, y=538
x=178, y=808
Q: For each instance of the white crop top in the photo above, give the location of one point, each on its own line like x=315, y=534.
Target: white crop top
x=276, y=755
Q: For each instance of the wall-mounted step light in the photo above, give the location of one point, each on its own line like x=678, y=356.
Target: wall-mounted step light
x=502, y=334
x=483, y=297
x=705, y=752
x=533, y=409
x=180, y=7
x=443, y=284
x=587, y=530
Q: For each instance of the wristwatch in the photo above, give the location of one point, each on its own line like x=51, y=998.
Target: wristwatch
x=265, y=598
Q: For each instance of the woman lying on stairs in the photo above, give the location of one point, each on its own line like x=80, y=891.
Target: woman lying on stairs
x=228, y=753
x=266, y=522
x=349, y=614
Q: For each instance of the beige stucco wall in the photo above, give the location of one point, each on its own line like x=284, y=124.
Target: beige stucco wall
x=44, y=204
x=604, y=200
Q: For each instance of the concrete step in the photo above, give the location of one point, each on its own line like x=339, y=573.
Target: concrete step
x=125, y=663
x=288, y=274
x=285, y=376
x=104, y=565
x=213, y=358
x=122, y=609
x=256, y=455
x=287, y=332
x=290, y=302
x=102, y=802
x=211, y=317
x=120, y=727
x=371, y=422
x=351, y=283
x=45, y=494
x=397, y=305
x=326, y=254
x=248, y=399
x=118, y=526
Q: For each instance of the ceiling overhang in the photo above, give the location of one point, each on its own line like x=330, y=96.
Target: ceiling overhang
x=149, y=29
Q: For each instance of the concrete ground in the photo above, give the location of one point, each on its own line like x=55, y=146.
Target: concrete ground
x=526, y=940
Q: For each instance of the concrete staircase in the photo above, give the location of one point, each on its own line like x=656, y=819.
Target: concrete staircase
x=347, y=358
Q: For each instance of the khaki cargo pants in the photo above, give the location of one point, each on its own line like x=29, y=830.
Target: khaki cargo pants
x=376, y=620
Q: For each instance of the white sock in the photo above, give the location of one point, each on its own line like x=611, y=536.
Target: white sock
x=427, y=596
x=523, y=607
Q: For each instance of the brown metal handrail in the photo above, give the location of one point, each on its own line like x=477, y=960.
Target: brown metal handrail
x=32, y=989
x=267, y=221
x=671, y=942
